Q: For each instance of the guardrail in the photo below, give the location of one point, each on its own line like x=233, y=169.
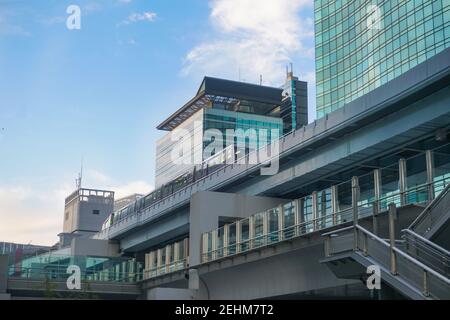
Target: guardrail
x=424, y=278
x=411, y=195
x=268, y=237
x=166, y=269
x=55, y=266
x=427, y=252
x=432, y=213
x=60, y=274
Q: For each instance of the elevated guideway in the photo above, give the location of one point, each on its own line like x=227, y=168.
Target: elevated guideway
x=407, y=109
x=282, y=258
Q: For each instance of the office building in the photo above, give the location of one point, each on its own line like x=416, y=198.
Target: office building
x=363, y=44
x=223, y=105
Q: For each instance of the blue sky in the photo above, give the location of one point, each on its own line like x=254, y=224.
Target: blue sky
x=98, y=93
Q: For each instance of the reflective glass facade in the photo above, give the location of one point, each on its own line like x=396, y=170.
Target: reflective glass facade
x=54, y=267
x=166, y=170
x=362, y=44
x=197, y=125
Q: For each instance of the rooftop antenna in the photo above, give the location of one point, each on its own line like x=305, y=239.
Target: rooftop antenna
x=239, y=73
x=292, y=68
x=287, y=71
x=260, y=79
x=80, y=177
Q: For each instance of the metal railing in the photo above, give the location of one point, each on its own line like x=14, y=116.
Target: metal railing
x=313, y=225
x=427, y=252
x=432, y=284
x=60, y=274
x=55, y=266
x=166, y=269
x=274, y=237
x=433, y=213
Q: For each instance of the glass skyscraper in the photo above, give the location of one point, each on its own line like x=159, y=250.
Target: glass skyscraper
x=256, y=114
x=363, y=44
x=197, y=125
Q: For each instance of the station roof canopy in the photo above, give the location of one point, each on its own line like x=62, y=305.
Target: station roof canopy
x=214, y=90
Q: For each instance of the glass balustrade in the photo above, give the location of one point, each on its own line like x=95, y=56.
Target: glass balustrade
x=409, y=181
x=54, y=267
x=289, y=221
x=171, y=258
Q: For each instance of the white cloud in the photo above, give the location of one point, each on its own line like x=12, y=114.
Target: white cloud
x=137, y=17
x=13, y=30
x=7, y=28
x=31, y=213
x=140, y=187
x=130, y=42
x=91, y=8
x=98, y=180
x=257, y=37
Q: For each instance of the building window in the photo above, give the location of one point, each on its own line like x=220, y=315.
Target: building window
x=97, y=212
x=67, y=215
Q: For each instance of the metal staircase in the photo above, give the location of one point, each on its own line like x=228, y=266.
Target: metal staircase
x=350, y=251
x=415, y=266
x=434, y=217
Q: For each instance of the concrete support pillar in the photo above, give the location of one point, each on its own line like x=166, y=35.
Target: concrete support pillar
x=334, y=203
x=168, y=253
x=314, y=210
x=251, y=231
x=214, y=244
x=323, y=209
x=202, y=248
x=376, y=204
x=176, y=251
x=186, y=250
x=206, y=248
x=301, y=216
x=430, y=174
x=147, y=261
x=355, y=199
x=153, y=257
x=266, y=226
x=402, y=181
x=194, y=279
x=298, y=220
x=160, y=263
x=392, y=218
x=146, y=266
x=238, y=236
x=281, y=221
x=226, y=229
